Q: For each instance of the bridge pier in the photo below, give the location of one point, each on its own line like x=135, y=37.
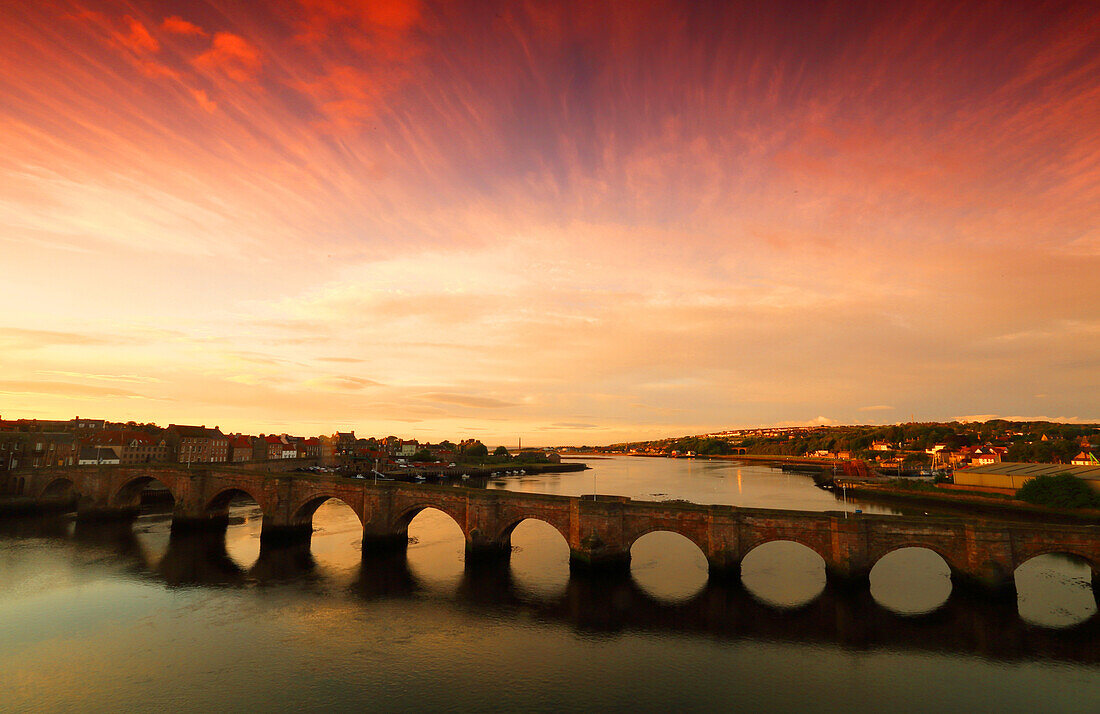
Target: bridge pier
x=482, y=551
x=187, y=524
x=294, y=534
x=385, y=543
x=98, y=513
x=990, y=584
x=724, y=569
x=847, y=578
x=594, y=555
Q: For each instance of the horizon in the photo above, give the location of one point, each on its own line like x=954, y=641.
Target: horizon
x=587, y=223
x=500, y=441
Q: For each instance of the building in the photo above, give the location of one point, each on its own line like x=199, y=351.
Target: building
x=132, y=447
x=267, y=447
x=38, y=449
x=197, y=444
x=240, y=448
x=985, y=455
x=309, y=448
x=1085, y=458
x=98, y=456
x=1009, y=475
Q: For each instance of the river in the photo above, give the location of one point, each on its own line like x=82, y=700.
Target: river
x=128, y=617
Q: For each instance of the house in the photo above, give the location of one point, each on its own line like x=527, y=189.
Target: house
x=21, y=449
x=1085, y=458
x=78, y=423
x=197, y=444
x=131, y=446
x=309, y=448
x=881, y=446
x=408, y=448
x=985, y=455
x=344, y=443
x=267, y=447
x=98, y=456
x=240, y=448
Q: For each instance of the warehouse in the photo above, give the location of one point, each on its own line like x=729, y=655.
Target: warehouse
x=1009, y=475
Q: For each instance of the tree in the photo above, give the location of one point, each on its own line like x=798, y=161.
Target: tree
x=423, y=455
x=474, y=451
x=1061, y=491
x=501, y=452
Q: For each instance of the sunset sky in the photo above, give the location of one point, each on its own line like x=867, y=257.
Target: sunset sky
x=575, y=222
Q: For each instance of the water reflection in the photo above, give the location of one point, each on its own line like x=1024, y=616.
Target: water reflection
x=668, y=566
x=1055, y=578
x=540, y=559
x=783, y=574
x=944, y=620
x=436, y=550
x=911, y=581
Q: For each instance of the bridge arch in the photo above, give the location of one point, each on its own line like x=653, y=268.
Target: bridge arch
x=785, y=538
x=58, y=488
x=944, y=553
x=792, y=581
x=303, y=513
x=690, y=537
x=128, y=495
x=505, y=533
x=219, y=503
x=404, y=517
x=668, y=565
x=1056, y=587
x=1026, y=556
x=912, y=580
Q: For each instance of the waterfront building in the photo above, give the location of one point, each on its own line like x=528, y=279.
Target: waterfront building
x=132, y=447
x=37, y=449
x=240, y=448
x=197, y=444
x=98, y=456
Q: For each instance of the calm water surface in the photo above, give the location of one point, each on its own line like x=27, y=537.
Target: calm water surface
x=128, y=617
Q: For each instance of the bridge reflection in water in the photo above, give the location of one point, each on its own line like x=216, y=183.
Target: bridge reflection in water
x=601, y=602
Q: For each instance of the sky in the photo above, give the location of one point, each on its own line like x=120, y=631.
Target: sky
x=566, y=222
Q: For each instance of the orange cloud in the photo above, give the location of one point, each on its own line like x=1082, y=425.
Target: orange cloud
x=138, y=39
x=177, y=25
x=203, y=100
x=231, y=55
x=321, y=16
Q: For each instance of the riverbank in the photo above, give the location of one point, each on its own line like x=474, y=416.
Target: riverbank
x=976, y=503
x=482, y=470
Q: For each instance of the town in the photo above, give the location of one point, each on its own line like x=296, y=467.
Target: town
x=921, y=447
x=38, y=443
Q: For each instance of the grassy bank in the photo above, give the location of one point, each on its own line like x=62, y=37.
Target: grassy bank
x=970, y=501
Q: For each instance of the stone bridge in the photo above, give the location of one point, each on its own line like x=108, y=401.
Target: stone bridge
x=600, y=530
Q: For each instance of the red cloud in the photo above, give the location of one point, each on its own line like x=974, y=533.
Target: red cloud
x=203, y=100
x=365, y=15
x=179, y=26
x=138, y=41
x=231, y=55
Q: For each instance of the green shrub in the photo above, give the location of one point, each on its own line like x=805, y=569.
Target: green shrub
x=1061, y=491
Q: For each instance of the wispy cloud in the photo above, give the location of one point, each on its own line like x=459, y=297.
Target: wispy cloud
x=466, y=400
x=696, y=207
